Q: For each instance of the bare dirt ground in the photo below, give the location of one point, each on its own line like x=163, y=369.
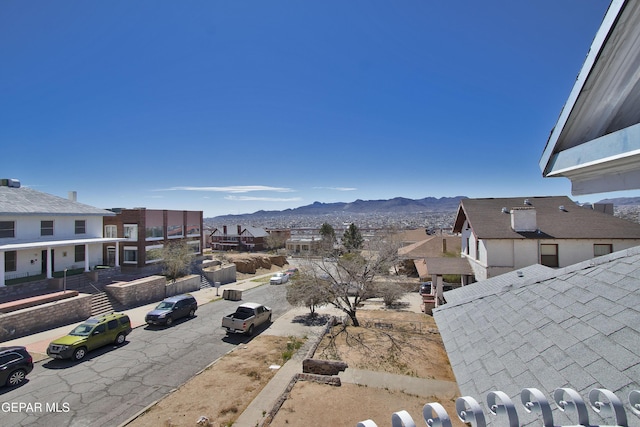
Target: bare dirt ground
x=395, y=341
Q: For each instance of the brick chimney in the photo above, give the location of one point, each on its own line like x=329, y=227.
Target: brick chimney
x=224, y=230
x=239, y=230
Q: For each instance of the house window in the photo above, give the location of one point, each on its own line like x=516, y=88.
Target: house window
x=466, y=248
x=79, y=253
x=194, y=246
x=477, y=249
x=193, y=230
x=153, y=253
x=7, y=229
x=174, y=231
x=602, y=249
x=131, y=231
x=81, y=226
x=46, y=228
x=154, y=232
x=10, y=261
x=130, y=255
x=549, y=255
x=110, y=231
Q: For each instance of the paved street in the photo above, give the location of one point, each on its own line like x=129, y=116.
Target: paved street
x=112, y=384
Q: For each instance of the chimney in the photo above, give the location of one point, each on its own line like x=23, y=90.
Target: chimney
x=523, y=219
x=239, y=230
x=73, y=196
x=224, y=230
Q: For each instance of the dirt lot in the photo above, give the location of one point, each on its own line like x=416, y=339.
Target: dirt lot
x=395, y=341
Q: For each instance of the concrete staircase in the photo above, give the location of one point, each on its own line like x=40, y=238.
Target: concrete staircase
x=102, y=303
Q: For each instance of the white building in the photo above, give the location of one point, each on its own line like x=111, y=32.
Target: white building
x=41, y=234
x=504, y=234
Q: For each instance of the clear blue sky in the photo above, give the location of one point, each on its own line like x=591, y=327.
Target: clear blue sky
x=235, y=106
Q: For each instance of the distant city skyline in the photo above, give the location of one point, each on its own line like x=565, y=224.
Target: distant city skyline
x=236, y=107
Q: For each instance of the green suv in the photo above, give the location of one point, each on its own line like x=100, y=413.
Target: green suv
x=93, y=333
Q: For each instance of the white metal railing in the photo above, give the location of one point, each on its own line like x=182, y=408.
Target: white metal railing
x=501, y=407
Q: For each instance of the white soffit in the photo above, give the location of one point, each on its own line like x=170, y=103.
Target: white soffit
x=596, y=141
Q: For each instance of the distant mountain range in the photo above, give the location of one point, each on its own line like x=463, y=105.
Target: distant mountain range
x=623, y=201
x=395, y=205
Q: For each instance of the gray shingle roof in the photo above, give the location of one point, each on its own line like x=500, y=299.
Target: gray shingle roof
x=574, y=222
x=578, y=328
x=26, y=201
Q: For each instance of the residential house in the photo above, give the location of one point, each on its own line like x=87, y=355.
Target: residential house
x=146, y=230
x=238, y=239
x=41, y=233
x=505, y=234
x=304, y=244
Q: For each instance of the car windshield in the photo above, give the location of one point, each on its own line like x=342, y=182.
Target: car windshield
x=165, y=306
x=82, y=330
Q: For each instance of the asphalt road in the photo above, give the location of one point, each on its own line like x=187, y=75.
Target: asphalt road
x=114, y=383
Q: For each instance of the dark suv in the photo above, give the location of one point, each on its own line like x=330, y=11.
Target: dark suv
x=15, y=364
x=93, y=333
x=171, y=309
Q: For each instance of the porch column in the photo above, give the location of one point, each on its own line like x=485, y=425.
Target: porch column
x=2, y=269
x=86, y=257
x=49, y=273
x=117, y=254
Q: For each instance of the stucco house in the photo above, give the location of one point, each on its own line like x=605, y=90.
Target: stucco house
x=41, y=233
x=505, y=234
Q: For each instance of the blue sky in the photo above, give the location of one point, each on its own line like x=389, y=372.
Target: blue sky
x=236, y=106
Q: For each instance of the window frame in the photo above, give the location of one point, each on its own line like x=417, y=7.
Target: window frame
x=550, y=260
x=80, y=226
x=46, y=230
x=609, y=248
x=79, y=253
x=7, y=229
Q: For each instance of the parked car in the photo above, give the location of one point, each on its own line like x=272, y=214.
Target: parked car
x=15, y=365
x=93, y=333
x=246, y=318
x=171, y=309
x=279, y=279
x=291, y=272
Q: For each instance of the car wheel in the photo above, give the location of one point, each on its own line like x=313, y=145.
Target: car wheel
x=169, y=321
x=120, y=339
x=16, y=378
x=192, y=312
x=250, y=331
x=80, y=353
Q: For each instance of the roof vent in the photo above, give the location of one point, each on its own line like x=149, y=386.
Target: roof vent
x=527, y=202
x=561, y=207
x=505, y=210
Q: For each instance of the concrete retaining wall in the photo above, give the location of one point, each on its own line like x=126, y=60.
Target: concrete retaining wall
x=183, y=285
x=53, y=314
x=138, y=292
x=223, y=274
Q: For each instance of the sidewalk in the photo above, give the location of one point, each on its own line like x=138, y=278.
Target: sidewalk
x=37, y=343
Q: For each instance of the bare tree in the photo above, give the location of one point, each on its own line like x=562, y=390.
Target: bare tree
x=176, y=258
x=349, y=279
x=309, y=291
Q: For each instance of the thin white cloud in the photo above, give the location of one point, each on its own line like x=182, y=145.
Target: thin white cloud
x=336, y=188
x=232, y=189
x=263, y=199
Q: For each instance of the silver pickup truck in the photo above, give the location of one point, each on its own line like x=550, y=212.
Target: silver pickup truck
x=247, y=317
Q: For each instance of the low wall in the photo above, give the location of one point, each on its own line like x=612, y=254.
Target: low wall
x=183, y=285
x=14, y=291
x=138, y=292
x=53, y=314
x=223, y=274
